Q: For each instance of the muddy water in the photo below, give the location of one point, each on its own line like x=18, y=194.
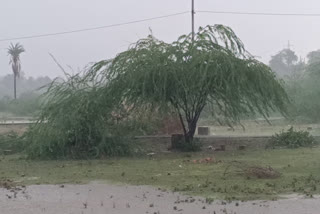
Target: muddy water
x=111, y=199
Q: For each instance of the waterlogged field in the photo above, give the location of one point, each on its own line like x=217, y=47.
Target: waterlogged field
x=221, y=175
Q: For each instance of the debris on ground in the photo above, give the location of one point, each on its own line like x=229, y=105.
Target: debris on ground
x=12, y=188
x=7, y=184
x=205, y=160
x=253, y=171
x=262, y=172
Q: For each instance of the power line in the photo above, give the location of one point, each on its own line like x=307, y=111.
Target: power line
x=159, y=17
x=259, y=14
x=93, y=28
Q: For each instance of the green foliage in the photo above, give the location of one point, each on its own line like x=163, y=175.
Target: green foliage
x=14, y=52
x=304, y=91
x=11, y=143
x=314, y=57
x=213, y=70
x=292, y=139
x=81, y=116
x=302, y=84
x=286, y=63
x=76, y=121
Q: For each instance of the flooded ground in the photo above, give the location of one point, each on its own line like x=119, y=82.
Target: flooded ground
x=98, y=198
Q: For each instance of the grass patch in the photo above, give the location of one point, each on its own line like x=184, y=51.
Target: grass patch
x=299, y=173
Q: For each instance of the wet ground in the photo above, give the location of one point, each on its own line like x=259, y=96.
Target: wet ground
x=98, y=198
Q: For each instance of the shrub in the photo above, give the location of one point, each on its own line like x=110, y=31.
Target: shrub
x=77, y=120
x=11, y=143
x=292, y=139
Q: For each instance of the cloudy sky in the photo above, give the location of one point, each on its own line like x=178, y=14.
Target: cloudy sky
x=262, y=35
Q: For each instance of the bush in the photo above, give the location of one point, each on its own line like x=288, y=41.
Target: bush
x=77, y=120
x=292, y=139
x=67, y=149
x=11, y=143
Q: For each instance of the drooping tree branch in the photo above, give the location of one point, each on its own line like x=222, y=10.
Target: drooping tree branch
x=213, y=69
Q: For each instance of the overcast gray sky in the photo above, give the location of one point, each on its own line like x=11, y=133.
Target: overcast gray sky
x=263, y=36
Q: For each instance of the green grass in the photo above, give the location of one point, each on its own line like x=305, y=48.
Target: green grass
x=299, y=168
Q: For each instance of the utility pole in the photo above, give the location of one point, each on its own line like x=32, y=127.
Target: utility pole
x=289, y=45
x=192, y=18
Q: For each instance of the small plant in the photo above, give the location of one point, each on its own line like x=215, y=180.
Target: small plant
x=292, y=139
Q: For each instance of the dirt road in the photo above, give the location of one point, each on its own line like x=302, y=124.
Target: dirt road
x=112, y=199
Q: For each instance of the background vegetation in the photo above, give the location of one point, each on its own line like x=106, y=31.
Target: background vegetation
x=301, y=78
x=24, y=85
x=292, y=139
x=28, y=91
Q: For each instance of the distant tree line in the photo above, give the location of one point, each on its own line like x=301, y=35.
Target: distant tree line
x=24, y=85
x=301, y=77
x=28, y=92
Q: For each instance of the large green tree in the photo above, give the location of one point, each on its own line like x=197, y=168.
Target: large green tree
x=306, y=96
x=186, y=75
x=313, y=57
x=286, y=63
x=14, y=52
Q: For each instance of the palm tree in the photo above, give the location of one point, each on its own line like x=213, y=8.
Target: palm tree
x=14, y=52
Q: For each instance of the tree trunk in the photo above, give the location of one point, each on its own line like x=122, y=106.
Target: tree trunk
x=15, y=85
x=192, y=125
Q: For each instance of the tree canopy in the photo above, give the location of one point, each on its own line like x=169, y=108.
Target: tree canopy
x=186, y=75
x=14, y=52
x=285, y=63
x=84, y=115
x=313, y=57
x=305, y=90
